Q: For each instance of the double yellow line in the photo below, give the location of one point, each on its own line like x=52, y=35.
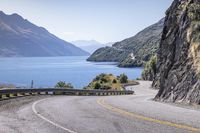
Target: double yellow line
x=140, y=117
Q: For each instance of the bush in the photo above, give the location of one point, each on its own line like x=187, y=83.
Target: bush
x=62, y=84
x=123, y=78
x=106, y=87
x=114, y=81
x=97, y=86
x=103, y=79
x=107, y=82
x=150, y=69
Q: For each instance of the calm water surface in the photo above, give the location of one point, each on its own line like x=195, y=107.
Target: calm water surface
x=47, y=71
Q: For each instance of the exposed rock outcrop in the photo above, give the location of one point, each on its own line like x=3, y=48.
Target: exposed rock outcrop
x=178, y=79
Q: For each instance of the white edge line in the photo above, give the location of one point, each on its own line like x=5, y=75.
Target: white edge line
x=47, y=120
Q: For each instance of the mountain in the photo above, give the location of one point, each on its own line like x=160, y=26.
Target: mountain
x=19, y=37
x=178, y=77
x=134, y=51
x=90, y=45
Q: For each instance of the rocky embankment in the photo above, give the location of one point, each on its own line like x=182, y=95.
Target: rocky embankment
x=178, y=79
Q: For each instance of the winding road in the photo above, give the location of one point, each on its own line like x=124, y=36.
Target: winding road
x=91, y=114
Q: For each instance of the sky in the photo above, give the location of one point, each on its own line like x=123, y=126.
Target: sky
x=101, y=20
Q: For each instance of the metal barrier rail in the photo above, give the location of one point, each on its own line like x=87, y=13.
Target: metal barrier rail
x=9, y=93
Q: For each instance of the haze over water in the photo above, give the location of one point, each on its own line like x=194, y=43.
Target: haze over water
x=47, y=71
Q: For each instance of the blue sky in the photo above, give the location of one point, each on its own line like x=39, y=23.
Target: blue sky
x=101, y=20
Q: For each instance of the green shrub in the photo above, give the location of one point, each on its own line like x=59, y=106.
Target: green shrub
x=103, y=79
x=123, y=78
x=114, y=81
x=97, y=86
x=62, y=84
x=106, y=87
x=149, y=71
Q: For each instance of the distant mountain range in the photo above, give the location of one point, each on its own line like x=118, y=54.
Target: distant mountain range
x=90, y=45
x=21, y=38
x=134, y=51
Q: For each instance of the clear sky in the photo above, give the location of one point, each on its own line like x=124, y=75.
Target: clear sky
x=101, y=20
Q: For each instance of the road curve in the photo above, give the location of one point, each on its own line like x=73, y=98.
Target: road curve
x=90, y=114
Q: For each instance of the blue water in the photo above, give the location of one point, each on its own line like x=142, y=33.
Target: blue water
x=47, y=71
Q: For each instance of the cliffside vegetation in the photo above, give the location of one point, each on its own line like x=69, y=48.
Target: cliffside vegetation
x=150, y=69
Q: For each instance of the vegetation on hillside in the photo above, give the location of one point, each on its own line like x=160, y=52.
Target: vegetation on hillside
x=62, y=84
x=134, y=51
x=149, y=71
x=129, y=62
x=109, y=82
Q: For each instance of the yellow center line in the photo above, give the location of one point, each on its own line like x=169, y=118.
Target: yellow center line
x=140, y=117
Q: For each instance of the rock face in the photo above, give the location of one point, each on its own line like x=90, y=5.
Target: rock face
x=178, y=79
x=19, y=37
x=134, y=51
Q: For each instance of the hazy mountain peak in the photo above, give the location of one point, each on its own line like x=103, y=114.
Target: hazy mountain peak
x=89, y=45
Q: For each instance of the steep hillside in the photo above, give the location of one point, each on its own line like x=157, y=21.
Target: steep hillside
x=179, y=54
x=19, y=37
x=133, y=51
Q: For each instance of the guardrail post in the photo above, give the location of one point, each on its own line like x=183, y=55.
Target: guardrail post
x=7, y=95
x=15, y=94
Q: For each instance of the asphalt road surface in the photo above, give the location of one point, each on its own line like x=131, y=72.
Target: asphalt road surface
x=90, y=114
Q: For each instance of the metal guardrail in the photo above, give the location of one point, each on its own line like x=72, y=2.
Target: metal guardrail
x=10, y=93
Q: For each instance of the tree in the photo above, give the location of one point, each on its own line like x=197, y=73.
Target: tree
x=114, y=81
x=62, y=84
x=123, y=78
x=150, y=69
x=97, y=86
x=106, y=87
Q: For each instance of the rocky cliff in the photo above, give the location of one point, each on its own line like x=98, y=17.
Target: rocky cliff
x=178, y=79
x=134, y=51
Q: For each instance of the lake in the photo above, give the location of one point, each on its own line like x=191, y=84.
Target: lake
x=47, y=71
